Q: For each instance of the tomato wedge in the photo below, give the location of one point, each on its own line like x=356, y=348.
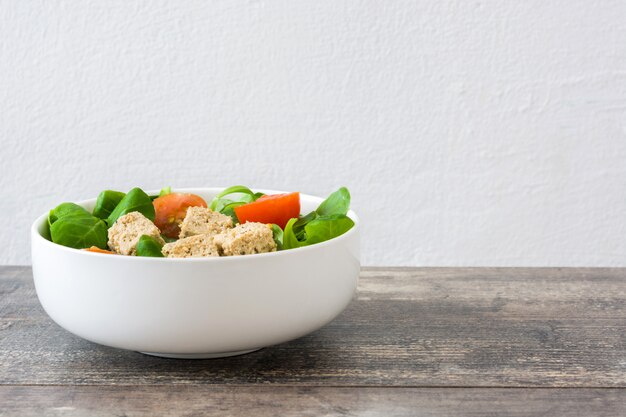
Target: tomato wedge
x=170, y=211
x=275, y=208
x=98, y=250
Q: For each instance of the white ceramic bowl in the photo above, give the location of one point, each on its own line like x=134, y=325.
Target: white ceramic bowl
x=196, y=307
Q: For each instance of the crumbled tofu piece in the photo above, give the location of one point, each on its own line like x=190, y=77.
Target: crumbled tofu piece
x=126, y=231
x=191, y=247
x=204, y=221
x=246, y=239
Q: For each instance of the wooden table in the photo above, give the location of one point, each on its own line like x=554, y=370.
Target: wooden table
x=415, y=341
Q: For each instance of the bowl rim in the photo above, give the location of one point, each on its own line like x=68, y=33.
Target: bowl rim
x=36, y=235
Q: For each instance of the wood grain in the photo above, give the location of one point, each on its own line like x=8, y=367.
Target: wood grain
x=407, y=327
x=260, y=401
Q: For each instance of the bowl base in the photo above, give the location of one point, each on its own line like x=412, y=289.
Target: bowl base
x=199, y=355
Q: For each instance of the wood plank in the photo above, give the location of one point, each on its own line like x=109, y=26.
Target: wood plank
x=262, y=401
x=407, y=327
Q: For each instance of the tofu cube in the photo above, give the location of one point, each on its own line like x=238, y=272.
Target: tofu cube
x=126, y=231
x=204, y=221
x=246, y=239
x=191, y=247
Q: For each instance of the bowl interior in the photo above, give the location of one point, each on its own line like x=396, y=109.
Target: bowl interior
x=308, y=203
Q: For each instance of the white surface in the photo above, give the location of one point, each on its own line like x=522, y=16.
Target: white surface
x=470, y=133
x=202, y=306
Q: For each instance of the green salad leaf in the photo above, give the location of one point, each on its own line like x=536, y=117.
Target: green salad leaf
x=149, y=246
x=229, y=210
x=328, y=221
x=301, y=222
x=73, y=226
x=45, y=232
x=64, y=209
x=327, y=227
x=318, y=230
x=336, y=203
x=164, y=191
x=238, y=195
x=106, y=203
x=235, y=189
x=290, y=240
x=135, y=200
x=278, y=234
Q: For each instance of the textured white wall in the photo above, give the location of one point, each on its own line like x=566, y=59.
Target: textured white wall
x=470, y=133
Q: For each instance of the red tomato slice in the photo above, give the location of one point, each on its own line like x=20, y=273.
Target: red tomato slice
x=275, y=208
x=170, y=211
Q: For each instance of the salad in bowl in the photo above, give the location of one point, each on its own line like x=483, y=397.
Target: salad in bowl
x=196, y=273
x=237, y=221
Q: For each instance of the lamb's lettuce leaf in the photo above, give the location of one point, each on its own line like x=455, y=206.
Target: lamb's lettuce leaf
x=73, y=226
x=336, y=203
x=329, y=220
x=301, y=222
x=149, y=246
x=318, y=230
x=238, y=195
x=106, y=203
x=164, y=191
x=327, y=227
x=278, y=234
x=135, y=200
x=64, y=209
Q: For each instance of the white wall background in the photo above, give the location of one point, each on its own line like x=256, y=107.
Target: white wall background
x=470, y=133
